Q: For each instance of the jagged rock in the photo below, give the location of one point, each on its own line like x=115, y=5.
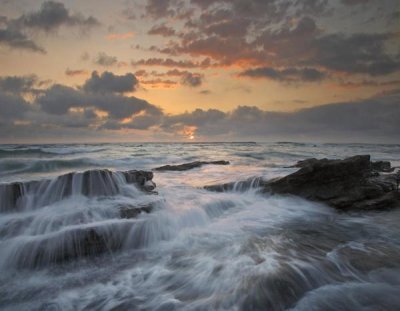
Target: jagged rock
x=343, y=184
x=382, y=166
x=352, y=183
x=189, y=166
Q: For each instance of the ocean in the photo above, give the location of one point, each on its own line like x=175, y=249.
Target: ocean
x=196, y=250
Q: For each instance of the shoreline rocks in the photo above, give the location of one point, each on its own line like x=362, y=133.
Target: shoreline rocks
x=189, y=166
x=354, y=183
x=91, y=183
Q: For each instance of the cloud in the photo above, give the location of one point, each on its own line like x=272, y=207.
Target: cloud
x=59, y=100
x=168, y=62
x=159, y=82
x=75, y=72
x=15, y=39
x=12, y=107
x=105, y=60
x=292, y=38
x=373, y=119
x=286, y=74
x=107, y=82
x=159, y=8
x=357, y=53
x=51, y=15
x=192, y=80
x=162, y=30
x=354, y=2
x=18, y=84
x=120, y=36
x=62, y=107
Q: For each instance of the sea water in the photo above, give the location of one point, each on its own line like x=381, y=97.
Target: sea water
x=196, y=250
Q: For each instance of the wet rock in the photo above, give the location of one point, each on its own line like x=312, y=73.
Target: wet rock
x=134, y=211
x=352, y=183
x=18, y=195
x=382, y=166
x=242, y=185
x=70, y=244
x=189, y=166
x=343, y=184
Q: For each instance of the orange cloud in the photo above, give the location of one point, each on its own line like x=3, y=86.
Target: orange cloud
x=120, y=36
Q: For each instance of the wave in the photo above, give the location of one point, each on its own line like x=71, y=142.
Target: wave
x=23, y=152
x=10, y=167
x=34, y=152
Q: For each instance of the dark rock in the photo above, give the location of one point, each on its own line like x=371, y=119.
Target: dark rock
x=189, y=166
x=242, y=185
x=134, y=211
x=343, y=184
x=305, y=162
x=90, y=183
x=71, y=244
x=352, y=183
x=382, y=166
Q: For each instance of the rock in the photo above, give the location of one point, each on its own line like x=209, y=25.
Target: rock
x=382, y=166
x=349, y=184
x=306, y=162
x=343, y=184
x=130, y=211
x=243, y=185
x=189, y=166
x=18, y=195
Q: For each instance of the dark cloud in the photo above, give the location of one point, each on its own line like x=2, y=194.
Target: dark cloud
x=59, y=99
x=18, y=84
x=61, y=107
x=105, y=60
x=162, y=30
x=12, y=107
x=192, y=80
x=75, y=72
x=286, y=75
x=52, y=15
x=159, y=8
x=107, y=82
x=15, y=39
x=357, y=53
x=277, y=34
x=368, y=120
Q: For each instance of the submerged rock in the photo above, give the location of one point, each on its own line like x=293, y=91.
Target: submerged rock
x=189, y=166
x=353, y=183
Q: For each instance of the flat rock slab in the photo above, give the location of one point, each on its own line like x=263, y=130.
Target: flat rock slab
x=189, y=166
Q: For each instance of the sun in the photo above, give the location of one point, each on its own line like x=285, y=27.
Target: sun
x=191, y=137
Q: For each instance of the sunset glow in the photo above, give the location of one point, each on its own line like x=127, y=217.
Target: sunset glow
x=148, y=68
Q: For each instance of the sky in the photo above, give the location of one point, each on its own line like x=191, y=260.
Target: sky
x=199, y=70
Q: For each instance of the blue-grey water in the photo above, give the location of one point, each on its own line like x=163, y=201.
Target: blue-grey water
x=197, y=250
